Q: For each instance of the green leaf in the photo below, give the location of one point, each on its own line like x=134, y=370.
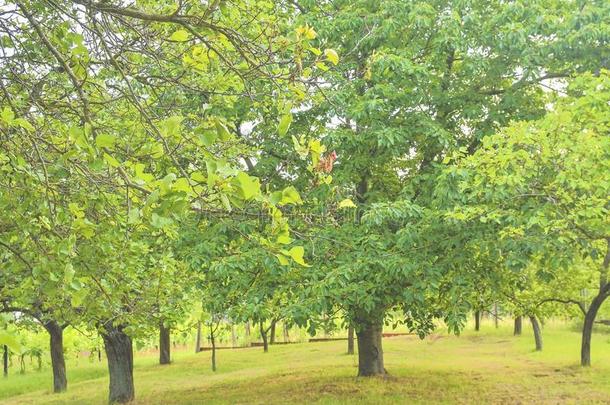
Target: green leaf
x=208, y=137
x=332, y=56
x=111, y=161
x=170, y=127
x=222, y=130
x=248, y=186
x=282, y=259
x=152, y=198
x=10, y=341
x=182, y=184
x=105, y=141
x=78, y=297
x=180, y=36
x=284, y=125
x=7, y=115
x=290, y=195
x=68, y=273
x=284, y=238
x=165, y=184
x=160, y=222
x=133, y=217
x=275, y=197
x=198, y=177
x=24, y=124
x=297, y=253
x=84, y=227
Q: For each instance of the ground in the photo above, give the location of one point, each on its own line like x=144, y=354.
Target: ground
x=487, y=367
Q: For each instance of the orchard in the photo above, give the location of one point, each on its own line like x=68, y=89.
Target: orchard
x=181, y=180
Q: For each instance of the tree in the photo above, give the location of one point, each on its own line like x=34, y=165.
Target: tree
x=415, y=82
x=111, y=128
x=545, y=184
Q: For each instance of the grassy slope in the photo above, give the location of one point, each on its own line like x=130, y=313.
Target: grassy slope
x=491, y=367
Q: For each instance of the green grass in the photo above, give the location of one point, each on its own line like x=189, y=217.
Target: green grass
x=489, y=367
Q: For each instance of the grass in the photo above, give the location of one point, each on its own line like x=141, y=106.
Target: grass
x=491, y=366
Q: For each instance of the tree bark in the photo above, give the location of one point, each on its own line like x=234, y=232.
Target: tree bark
x=477, y=320
x=286, y=336
x=604, y=292
x=164, y=344
x=496, y=315
x=350, y=340
x=213, y=342
x=537, y=332
x=5, y=361
x=272, y=333
x=518, y=325
x=58, y=363
x=264, y=336
x=198, y=339
x=233, y=335
x=587, y=329
x=119, y=352
x=370, y=351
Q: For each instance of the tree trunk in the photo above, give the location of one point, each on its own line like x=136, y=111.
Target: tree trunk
x=233, y=335
x=587, y=329
x=604, y=292
x=213, y=342
x=496, y=315
x=477, y=320
x=518, y=326
x=198, y=339
x=350, y=340
x=119, y=352
x=5, y=361
x=272, y=333
x=164, y=344
x=370, y=351
x=247, y=330
x=264, y=336
x=286, y=337
x=58, y=363
x=537, y=332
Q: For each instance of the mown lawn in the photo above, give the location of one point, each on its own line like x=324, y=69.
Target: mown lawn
x=489, y=367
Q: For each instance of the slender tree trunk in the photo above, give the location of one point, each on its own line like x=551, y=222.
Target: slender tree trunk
x=119, y=352
x=264, y=336
x=213, y=342
x=604, y=292
x=99, y=354
x=58, y=363
x=477, y=320
x=198, y=339
x=518, y=325
x=286, y=337
x=233, y=335
x=272, y=333
x=537, y=332
x=587, y=329
x=247, y=330
x=370, y=351
x=350, y=340
x=164, y=344
x=5, y=361
x=496, y=315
